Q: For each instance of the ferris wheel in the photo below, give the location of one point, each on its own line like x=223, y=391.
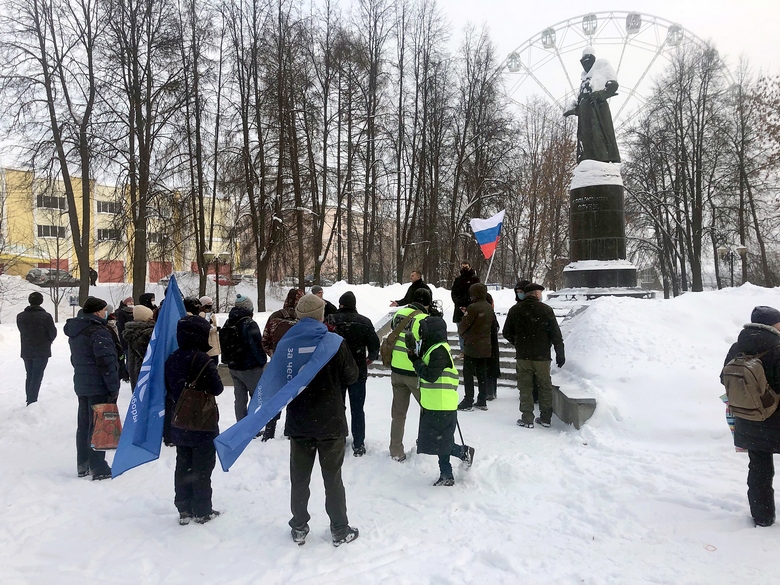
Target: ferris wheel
x=637, y=45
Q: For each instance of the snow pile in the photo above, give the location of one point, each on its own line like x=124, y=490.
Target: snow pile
x=650, y=490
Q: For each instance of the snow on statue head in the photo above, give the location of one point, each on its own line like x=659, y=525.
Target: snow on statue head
x=588, y=51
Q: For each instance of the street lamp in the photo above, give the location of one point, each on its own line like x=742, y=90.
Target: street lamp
x=732, y=252
x=210, y=256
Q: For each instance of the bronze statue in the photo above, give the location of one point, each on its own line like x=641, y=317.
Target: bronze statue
x=595, y=132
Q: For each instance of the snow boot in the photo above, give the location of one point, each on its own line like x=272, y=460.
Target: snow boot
x=521, y=423
x=480, y=406
x=400, y=458
x=352, y=534
x=444, y=481
x=465, y=406
x=468, y=455
x=545, y=424
x=207, y=518
x=184, y=518
x=82, y=470
x=299, y=534
x=359, y=451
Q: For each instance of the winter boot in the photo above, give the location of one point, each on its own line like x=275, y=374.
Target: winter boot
x=299, y=534
x=359, y=451
x=82, y=470
x=352, y=534
x=468, y=455
x=480, y=406
x=269, y=432
x=465, y=406
x=102, y=475
x=444, y=481
x=207, y=518
x=521, y=423
x=184, y=518
x=545, y=424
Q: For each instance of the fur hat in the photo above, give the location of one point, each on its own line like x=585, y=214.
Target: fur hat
x=310, y=306
x=93, y=305
x=142, y=313
x=765, y=315
x=244, y=302
x=35, y=299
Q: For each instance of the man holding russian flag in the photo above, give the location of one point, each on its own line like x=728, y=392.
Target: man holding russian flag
x=487, y=232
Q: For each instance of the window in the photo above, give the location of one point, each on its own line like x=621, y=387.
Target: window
x=49, y=202
x=157, y=238
x=108, y=234
x=108, y=207
x=51, y=231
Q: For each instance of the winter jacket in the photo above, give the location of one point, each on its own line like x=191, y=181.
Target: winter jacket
x=360, y=335
x=752, y=340
x=319, y=411
x=93, y=355
x=251, y=355
x=409, y=296
x=146, y=300
x=476, y=324
x=330, y=308
x=124, y=314
x=281, y=321
x=531, y=327
x=460, y=292
x=182, y=366
x=214, y=348
x=137, y=335
x=400, y=363
x=37, y=332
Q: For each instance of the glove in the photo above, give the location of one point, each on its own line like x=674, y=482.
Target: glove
x=560, y=360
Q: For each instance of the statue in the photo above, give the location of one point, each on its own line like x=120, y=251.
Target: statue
x=595, y=132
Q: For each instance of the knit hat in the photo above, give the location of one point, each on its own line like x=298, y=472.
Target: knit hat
x=347, y=300
x=206, y=301
x=422, y=296
x=93, y=305
x=142, y=313
x=310, y=306
x=35, y=299
x=244, y=302
x=316, y=289
x=765, y=315
x=129, y=302
x=521, y=284
x=532, y=287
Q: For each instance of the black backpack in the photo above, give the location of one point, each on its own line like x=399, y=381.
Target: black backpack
x=231, y=341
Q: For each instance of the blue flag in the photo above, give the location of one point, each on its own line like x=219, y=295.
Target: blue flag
x=302, y=352
x=143, y=427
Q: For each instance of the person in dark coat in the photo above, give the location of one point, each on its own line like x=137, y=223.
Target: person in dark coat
x=93, y=276
x=761, y=438
x=147, y=300
x=460, y=291
x=361, y=337
x=316, y=423
x=417, y=283
x=532, y=328
x=37, y=333
x=438, y=399
x=93, y=353
x=137, y=335
x=494, y=365
x=195, y=452
x=475, y=329
x=124, y=314
x=330, y=308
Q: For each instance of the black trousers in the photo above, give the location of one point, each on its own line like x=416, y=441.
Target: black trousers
x=86, y=457
x=357, y=400
x=34, y=368
x=192, y=479
x=479, y=367
x=761, y=496
x=331, y=454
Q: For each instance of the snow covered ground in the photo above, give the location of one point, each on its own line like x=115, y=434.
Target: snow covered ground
x=650, y=490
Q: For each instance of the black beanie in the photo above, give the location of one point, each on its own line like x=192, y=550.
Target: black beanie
x=347, y=300
x=521, y=284
x=93, y=305
x=765, y=315
x=35, y=299
x=422, y=296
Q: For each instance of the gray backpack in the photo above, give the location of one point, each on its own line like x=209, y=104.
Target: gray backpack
x=750, y=396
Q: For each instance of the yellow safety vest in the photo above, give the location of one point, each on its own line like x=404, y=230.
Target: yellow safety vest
x=443, y=393
x=400, y=359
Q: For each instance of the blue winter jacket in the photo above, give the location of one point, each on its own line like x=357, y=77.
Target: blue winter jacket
x=93, y=355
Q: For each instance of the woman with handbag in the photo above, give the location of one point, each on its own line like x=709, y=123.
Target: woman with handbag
x=191, y=382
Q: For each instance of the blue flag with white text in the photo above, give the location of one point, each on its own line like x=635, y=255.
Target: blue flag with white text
x=143, y=426
x=300, y=355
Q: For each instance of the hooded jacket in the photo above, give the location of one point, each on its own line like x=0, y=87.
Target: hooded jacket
x=93, y=356
x=136, y=337
x=37, y=332
x=279, y=322
x=252, y=355
x=357, y=331
x=753, y=340
x=460, y=292
x=476, y=324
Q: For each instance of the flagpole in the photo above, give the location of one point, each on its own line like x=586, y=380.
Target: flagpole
x=487, y=278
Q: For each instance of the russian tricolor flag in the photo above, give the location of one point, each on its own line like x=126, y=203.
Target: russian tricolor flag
x=487, y=232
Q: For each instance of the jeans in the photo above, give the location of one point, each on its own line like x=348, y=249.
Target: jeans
x=34, y=368
x=192, y=479
x=357, y=398
x=528, y=372
x=761, y=495
x=86, y=457
x=244, y=384
x=303, y=451
x=445, y=467
x=403, y=388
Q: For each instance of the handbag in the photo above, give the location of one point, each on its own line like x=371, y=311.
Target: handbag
x=196, y=410
x=106, y=427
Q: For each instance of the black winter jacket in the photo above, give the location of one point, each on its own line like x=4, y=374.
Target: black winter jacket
x=360, y=335
x=460, y=292
x=532, y=328
x=124, y=315
x=759, y=435
x=319, y=412
x=37, y=331
x=182, y=366
x=136, y=336
x=409, y=296
x=93, y=355
x=252, y=355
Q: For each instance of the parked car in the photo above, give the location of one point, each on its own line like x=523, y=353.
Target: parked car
x=51, y=277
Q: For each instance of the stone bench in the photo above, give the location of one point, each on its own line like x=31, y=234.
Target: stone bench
x=573, y=407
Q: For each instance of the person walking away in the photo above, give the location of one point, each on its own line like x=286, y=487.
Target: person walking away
x=330, y=308
x=316, y=424
x=137, y=335
x=207, y=312
x=124, y=314
x=438, y=399
x=532, y=328
x=195, y=452
x=93, y=276
x=37, y=332
x=760, y=337
x=460, y=294
x=245, y=359
x=361, y=337
x=475, y=329
x=494, y=365
x=415, y=276
x=95, y=363
x=402, y=375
